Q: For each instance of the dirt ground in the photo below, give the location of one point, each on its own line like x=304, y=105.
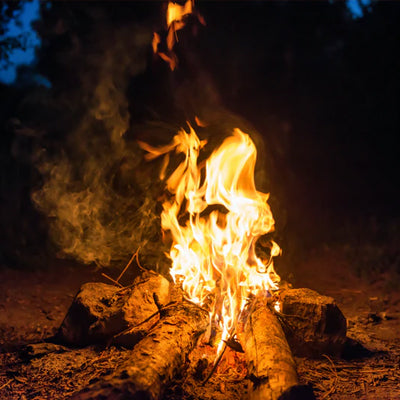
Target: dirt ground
x=33, y=305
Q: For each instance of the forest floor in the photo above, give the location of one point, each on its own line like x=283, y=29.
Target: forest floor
x=34, y=303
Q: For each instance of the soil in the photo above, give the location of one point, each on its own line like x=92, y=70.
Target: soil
x=34, y=303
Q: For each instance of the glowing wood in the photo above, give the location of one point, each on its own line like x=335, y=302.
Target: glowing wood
x=156, y=359
x=100, y=311
x=269, y=359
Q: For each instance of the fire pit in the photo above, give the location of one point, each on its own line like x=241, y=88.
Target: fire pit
x=222, y=291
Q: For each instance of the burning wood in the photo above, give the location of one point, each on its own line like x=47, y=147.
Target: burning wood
x=213, y=253
x=269, y=359
x=214, y=261
x=214, y=216
x=169, y=332
x=156, y=359
x=100, y=311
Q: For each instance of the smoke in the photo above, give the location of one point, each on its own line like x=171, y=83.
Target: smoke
x=102, y=200
x=96, y=193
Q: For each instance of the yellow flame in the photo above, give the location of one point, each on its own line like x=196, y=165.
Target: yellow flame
x=176, y=19
x=213, y=253
x=176, y=13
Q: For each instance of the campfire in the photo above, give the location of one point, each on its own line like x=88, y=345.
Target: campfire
x=222, y=305
x=222, y=295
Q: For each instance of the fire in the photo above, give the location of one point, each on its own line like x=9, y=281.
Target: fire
x=176, y=19
x=213, y=250
x=177, y=12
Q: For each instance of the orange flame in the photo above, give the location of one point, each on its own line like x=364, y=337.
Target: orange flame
x=176, y=13
x=176, y=19
x=213, y=253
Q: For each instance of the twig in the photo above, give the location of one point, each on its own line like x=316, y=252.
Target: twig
x=111, y=279
x=138, y=262
x=6, y=384
x=127, y=266
x=134, y=256
x=230, y=338
x=126, y=287
x=333, y=369
x=169, y=305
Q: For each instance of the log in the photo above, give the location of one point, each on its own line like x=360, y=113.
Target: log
x=156, y=359
x=99, y=311
x=269, y=360
x=313, y=324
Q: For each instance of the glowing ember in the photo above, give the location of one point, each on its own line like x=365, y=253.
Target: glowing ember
x=277, y=306
x=213, y=252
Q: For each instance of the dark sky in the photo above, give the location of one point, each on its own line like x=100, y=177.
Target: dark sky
x=319, y=80
x=21, y=25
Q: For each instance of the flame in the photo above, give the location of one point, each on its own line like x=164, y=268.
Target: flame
x=176, y=18
x=176, y=13
x=277, y=306
x=213, y=252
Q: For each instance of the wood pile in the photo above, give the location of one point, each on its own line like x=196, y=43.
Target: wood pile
x=161, y=327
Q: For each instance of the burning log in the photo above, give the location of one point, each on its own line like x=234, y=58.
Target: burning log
x=100, y=311
x=313, y=324
x=269, y=359
x=156, y=359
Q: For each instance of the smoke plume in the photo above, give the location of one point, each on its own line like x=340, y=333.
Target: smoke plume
x=93, y=187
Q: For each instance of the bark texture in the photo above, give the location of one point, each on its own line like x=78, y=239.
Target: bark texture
x=313, y=324
x=269, y=359
x=100, y=311
x=156, y=359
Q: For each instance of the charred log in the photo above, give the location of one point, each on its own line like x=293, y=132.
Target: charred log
x=313, y=324
x=100, y=311
x=156, y=359
x=269, y=359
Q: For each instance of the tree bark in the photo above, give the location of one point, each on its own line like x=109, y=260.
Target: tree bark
x=156, y=359
x=269, y=359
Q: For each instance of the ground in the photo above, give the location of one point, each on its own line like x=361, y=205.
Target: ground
x=33, y=305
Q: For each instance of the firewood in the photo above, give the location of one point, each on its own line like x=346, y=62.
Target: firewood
x=313, y=324
x=100, y=311
x=269, y=359
x=156, y=359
